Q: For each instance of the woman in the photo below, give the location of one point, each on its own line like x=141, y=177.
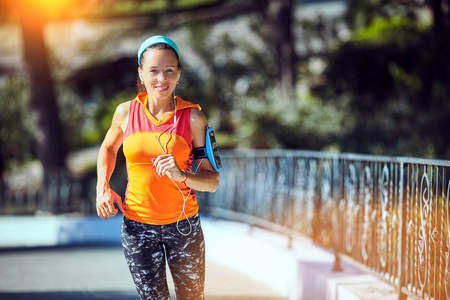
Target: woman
x=161, y=220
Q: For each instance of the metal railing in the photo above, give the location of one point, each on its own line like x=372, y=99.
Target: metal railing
x=54, y=193
x=388, y=214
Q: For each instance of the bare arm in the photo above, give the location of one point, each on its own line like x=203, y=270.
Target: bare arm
x=106, y=163
x=207, y=179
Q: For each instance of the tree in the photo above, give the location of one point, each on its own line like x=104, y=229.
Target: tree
x=15, y=124
x=280, y=31
x=33, y=16
x=393, y=76
x=51, y=147
x=278, y=15
x=274, y=20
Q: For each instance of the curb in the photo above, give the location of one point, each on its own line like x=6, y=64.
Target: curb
x=61, y=230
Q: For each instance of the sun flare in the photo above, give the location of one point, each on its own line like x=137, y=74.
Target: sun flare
x=43, y=8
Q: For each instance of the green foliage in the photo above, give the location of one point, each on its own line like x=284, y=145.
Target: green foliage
x=360, y=14
x=17, y=144
x=98, y=117
x=392, y=76
x=140, y=7
x=227, y=68
x=72, y=115
x=383, y=89
x=16, y=124
x=271, y=120
x=395, y=29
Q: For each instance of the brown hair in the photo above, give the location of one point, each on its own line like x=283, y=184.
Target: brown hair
x=158, y=46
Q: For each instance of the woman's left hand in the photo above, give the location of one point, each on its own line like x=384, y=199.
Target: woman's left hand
x=167, y=165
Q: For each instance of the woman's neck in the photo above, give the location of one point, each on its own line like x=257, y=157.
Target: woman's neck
x=160, y=108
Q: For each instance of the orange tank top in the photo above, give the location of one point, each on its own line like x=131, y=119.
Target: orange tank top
x=151, y=199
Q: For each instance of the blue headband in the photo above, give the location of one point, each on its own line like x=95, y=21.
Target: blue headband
x=156, y=40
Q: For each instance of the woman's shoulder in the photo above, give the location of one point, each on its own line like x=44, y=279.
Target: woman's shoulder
x=123, y=108
x=198, y=121
x=121, y=114
x=197, y=116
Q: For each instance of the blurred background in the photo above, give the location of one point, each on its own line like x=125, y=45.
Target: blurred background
x=369, y=77
x=358, y=76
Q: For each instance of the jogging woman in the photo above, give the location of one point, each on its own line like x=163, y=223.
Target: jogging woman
x=161, y=223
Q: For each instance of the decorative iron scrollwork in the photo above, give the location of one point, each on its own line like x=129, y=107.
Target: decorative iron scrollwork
x=368, y=189
x=411, y=228
x=425, y=210
x=326, y=182
x=350, y=192
x=435, y=236
x=310, y=194
x=383, y=245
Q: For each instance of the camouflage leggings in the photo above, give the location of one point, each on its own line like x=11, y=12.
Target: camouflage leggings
x=146, y=249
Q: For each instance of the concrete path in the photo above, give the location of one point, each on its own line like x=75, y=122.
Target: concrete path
x=100, y=272
x=79, y=257
x=42, y=258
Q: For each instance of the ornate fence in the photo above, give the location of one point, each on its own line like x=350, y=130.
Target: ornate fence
x=56, y=192
x=389, y=214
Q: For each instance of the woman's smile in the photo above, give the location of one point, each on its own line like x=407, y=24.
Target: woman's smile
x=162, y=88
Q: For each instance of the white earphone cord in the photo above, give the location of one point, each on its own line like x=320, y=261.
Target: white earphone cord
x=183, y=211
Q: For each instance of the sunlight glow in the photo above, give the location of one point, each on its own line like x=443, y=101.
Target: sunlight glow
x=46, y=9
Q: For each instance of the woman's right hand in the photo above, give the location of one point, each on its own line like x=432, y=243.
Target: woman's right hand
x=106, y=161
x=105, y=203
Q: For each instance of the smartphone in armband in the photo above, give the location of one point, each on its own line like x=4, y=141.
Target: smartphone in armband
x=210, y=150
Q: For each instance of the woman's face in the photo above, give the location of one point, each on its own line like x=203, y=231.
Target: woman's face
x=159, y=71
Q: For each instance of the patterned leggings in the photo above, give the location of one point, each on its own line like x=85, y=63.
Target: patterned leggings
x=146, y=249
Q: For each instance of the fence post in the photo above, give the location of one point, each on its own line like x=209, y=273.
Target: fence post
x=403, y=236
x=290, y=182
x=337, y=220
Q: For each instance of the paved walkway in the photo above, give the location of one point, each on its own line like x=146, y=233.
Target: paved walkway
x=73, y=257
x=78, y=257
x=100, y=273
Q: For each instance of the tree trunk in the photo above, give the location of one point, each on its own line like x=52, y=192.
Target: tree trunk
x=447, y=44
x=440, y=34
x=49, y=138
x=280, y=19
